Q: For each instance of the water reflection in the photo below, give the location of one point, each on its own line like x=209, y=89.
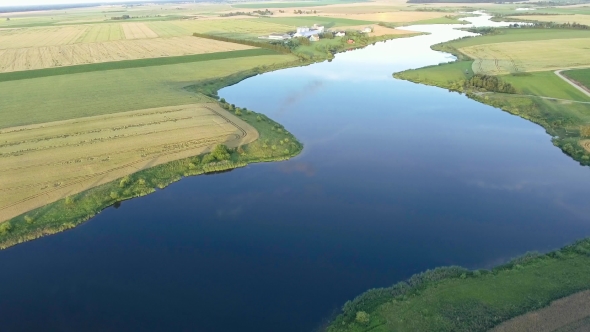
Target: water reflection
x=395, y=178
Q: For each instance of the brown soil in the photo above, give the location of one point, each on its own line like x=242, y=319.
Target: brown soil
x=570, y=314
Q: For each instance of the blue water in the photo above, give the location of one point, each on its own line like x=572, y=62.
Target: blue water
x=395, y=178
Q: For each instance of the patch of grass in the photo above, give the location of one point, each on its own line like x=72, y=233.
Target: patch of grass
x=581, y=76
x=456, y=299
x=545, y=84
x=517, y=35
x=85, y=94
x=447, y=75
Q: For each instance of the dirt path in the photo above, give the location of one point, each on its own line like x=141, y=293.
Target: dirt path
x=580, y=88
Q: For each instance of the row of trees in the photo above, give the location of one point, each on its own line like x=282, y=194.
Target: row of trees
x=273, y=46
x=489, y=83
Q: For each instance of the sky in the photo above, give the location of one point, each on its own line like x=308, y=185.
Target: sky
x=50, y=2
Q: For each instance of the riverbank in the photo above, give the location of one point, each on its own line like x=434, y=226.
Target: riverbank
x=519, y=87
x=457, y=299
x=275, y=143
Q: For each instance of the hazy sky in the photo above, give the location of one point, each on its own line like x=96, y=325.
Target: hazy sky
x=49, y=2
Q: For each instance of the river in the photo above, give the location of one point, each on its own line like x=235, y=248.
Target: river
x=395, y=178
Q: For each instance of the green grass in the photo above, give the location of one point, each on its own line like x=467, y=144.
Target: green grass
x=455, y=299
x=579, y=75
x=127, y=64
x=545, y=84
x=70, y=96
x=328, y=22
x=446, y=75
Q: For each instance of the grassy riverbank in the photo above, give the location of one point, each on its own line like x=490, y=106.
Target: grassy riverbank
x=537, y=95
x=457, y=299
x=275, y=143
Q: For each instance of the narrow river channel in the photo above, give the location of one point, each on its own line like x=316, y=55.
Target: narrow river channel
x=395, y=178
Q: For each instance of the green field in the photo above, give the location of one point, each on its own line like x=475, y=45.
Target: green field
x=516, y=35
x=545, y=84
x=579, y=75
x=328, y=22
x=85, y=94
x=455, y=299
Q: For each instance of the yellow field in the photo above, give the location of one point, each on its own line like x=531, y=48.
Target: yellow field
x=76, y=54
x=378, y=30
x=138, y=31
x=582, y=19
x=232, y=26
x=401, y=17
x=43, y=163
x=538, y=55
x=585, y=144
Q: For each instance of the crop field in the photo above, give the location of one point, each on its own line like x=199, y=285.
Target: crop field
x=77, y=54
x=71, y=156
x=585, y=144
x=515, y=35
x=580, y=76
x=581, y=19
x=328, y=22
x=570, y=314
x=379, y=30
x=239, y=28
x=46, y=36
x=397, y=17
x=538, y=55
x=71, y=96
x=138, y=31
x=545, y=84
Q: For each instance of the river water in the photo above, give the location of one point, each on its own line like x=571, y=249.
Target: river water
x=395, y=178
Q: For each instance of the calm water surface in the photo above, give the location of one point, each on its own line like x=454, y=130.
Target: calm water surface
x=395, y=178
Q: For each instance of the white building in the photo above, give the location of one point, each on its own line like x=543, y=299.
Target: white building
x=367, y=30
x=340, y=34
x=314, y=38
x=307, y=32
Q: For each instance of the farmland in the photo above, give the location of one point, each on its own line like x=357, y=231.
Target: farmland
x=581, y=19
x=581, y=76
x=78, y=54
x=72, y=156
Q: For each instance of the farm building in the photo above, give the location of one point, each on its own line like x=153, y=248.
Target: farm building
x=314, y=38
x=308, y=32
x=350, y=41
x=367, y=30
x=340, y=34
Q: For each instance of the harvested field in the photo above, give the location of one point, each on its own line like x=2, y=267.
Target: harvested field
x=582, y=19
x=47, y=36
x=69, y=55
x=68, y=157
x=585, y=144
x=537, y=55
x=243, y=28
x=102, y=33
x=571, y=314
x=138, y=31
x=401, y=17
x=379, y=30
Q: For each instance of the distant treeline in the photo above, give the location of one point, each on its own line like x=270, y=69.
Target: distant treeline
x=275, y=47
x=460, y=1
x=489, y=83
x=254, y=13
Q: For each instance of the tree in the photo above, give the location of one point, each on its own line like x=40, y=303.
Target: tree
x=5, y=228
x=362, y=317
